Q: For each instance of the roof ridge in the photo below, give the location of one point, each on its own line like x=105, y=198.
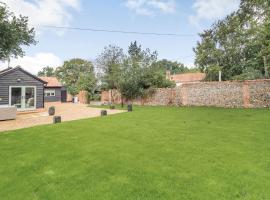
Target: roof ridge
x=23, y=70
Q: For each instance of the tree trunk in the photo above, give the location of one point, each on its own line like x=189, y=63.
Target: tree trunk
x=122, y=102
x=265, y=67
x=111, y=96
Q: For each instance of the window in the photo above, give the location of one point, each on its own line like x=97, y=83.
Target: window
x=49, y=93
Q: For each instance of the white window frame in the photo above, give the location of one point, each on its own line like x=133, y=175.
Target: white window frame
x=50, y=92
x=23, y=88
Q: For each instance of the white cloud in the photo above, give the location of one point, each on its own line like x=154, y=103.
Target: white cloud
x=44, y=12
x=151, y=7
x=35, y=63
x=212, y=9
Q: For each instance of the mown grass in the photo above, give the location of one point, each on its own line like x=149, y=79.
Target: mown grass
x=151, y=153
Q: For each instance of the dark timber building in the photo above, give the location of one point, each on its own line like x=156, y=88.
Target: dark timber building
x=54, y=91
x=21, y=89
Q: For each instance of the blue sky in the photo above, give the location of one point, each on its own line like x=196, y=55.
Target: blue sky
x=161, y=16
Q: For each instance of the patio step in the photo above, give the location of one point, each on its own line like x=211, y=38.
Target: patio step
x=31, y=111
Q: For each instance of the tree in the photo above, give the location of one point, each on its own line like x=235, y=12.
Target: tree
x=109, y=62
x=47, y=71
x=173, y=67
x=14, y=33
x=135, y=74
x=140, y=76
x=212, y=73
x=238, y=44
x=77, y=74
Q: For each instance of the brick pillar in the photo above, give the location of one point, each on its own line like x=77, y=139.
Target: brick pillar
x=183, y=93
x=246, y=97
x=110, y=95
x=172, y=98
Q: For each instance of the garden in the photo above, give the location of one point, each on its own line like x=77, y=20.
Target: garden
x=150, y=153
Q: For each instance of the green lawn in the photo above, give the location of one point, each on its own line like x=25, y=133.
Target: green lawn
x=151, y=153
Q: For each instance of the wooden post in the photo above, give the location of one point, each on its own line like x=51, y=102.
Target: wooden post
x=56, y=119
x=129, y=107
x=103, y=112
x=219, y=76
x=265, y=67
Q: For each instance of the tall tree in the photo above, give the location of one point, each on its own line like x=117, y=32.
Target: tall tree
x=47, y=71
x=77, y=74
x=110, y=61
x=238, y=44
x=139, y=74
x=14, y=33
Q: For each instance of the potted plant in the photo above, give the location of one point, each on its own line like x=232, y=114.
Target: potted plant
x=51, y=110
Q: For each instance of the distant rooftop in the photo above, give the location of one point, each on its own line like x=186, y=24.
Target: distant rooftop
x=187, y=77
x=51, y=81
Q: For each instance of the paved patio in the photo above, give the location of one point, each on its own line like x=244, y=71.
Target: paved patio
x=68, y=112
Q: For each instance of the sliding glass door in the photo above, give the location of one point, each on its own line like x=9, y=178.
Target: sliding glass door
x=23, y=97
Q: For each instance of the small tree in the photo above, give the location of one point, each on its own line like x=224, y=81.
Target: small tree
x=14, y=33
x=140, y=76
x=109, y=63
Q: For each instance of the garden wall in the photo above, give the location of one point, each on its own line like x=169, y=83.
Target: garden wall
x=233, y=94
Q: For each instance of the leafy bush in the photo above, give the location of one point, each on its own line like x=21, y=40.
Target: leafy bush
x=95, y=97
x=248, y=74
x=212, y=73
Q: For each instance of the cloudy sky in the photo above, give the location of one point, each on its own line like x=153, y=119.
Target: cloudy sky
x=187, y=17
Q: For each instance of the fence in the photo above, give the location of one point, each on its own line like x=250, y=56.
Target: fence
x=234, y=94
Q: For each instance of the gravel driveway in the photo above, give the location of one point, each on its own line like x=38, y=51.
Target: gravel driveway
x=68, y=112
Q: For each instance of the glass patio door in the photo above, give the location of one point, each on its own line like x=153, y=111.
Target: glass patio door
x=29, y=97
x=16, y=97
x=23, y=97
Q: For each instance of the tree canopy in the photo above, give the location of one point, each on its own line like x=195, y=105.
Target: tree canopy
x=135, y=73
x=140, y=74
x=109, y=63
x=47, y=71
x=173, y=67
x=239, y=44
x=77, y=74
x=14, y=33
